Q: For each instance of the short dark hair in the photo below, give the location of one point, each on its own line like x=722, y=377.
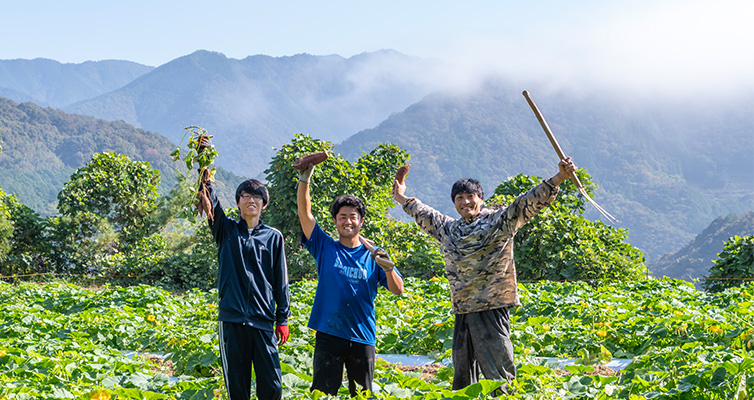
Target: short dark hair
x=466, y=185
x=348, y=200
x=254, y=188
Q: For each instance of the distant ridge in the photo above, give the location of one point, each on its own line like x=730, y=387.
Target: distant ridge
x=257, y=103
x=51, y=83
x=696, y=258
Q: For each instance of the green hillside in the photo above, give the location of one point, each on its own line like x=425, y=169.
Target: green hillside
x=42, y=147
x=695, y=259
x=663, y=175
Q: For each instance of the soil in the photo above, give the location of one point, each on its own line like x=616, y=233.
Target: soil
x=427, y=372
x=160, y=364
x=600, y=370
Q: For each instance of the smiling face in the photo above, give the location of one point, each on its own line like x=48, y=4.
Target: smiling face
x=468, y=205
x=348, y=222
x=250, y=205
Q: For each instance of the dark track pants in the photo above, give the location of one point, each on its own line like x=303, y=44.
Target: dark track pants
x=240, y=347
x=331, y=353
x=482, y=344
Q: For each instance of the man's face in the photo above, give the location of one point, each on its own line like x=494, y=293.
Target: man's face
x=468, y=205
x=348, y=222
x=250, y=205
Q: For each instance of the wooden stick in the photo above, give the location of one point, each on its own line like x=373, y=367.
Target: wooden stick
x=561, y=154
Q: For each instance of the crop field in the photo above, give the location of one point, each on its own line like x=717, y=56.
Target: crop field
x=61, y=341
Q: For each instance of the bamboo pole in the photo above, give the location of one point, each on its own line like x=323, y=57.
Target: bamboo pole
x=561, y=154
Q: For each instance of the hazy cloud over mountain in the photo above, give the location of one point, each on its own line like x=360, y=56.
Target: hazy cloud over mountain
x=649, y=49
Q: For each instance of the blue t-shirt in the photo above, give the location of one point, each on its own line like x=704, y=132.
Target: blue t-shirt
x=348, y=282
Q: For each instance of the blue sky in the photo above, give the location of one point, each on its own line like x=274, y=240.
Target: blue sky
x=683, y=45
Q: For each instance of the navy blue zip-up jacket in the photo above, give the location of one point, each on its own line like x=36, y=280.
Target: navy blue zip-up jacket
x=253, y=276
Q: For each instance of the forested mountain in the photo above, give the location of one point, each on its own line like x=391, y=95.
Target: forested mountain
x=51, y=83
x=664, y=169
x=258, y=103
x=664, y=174
x=695, y=259
x=42, y=147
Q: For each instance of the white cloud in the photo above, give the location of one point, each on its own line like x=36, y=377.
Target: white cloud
x=667, y=48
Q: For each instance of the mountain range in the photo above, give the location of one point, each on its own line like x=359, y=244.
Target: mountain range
x=250, y=104
x=664, y=170
x=50, y=83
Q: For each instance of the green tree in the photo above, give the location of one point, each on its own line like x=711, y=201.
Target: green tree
x=106, y=206
x=188, y=248
x=560, y=244
x=735, y=261
x=116, y=189
x=370, y=178
x=6, y=230
x=24, y=248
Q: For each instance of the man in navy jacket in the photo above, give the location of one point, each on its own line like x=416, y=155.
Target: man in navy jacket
x=253, y=292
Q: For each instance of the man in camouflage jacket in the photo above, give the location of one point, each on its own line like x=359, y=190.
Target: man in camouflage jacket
x=478, y=251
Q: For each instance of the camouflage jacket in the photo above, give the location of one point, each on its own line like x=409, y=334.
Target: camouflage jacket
x=479, y=253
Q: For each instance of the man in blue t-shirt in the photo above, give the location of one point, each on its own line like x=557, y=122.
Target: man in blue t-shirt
x=343, y=310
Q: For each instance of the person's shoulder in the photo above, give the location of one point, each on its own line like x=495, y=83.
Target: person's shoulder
x=488, y=211
x=272, y=229
x=319, y=235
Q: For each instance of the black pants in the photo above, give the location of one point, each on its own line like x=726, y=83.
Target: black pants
x=482, y=344
x=240, y=347
x=331, y=353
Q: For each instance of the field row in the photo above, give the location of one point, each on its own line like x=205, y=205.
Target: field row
x=60, y=341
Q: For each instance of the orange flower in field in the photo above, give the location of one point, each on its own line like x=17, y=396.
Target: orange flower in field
x=602, y=333
x=677, y=313
x=100, y=396
x=2, y=353
x=546, y=328
x=150, y=318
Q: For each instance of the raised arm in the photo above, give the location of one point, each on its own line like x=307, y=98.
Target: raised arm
x=304, y=201
x=527, y=205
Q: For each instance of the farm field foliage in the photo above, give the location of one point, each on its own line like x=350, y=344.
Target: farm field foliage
x=61, y=341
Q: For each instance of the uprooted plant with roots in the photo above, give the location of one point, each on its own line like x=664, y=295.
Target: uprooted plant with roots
x=200, y=155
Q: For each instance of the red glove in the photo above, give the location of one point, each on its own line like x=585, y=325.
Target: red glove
x=281, y=332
